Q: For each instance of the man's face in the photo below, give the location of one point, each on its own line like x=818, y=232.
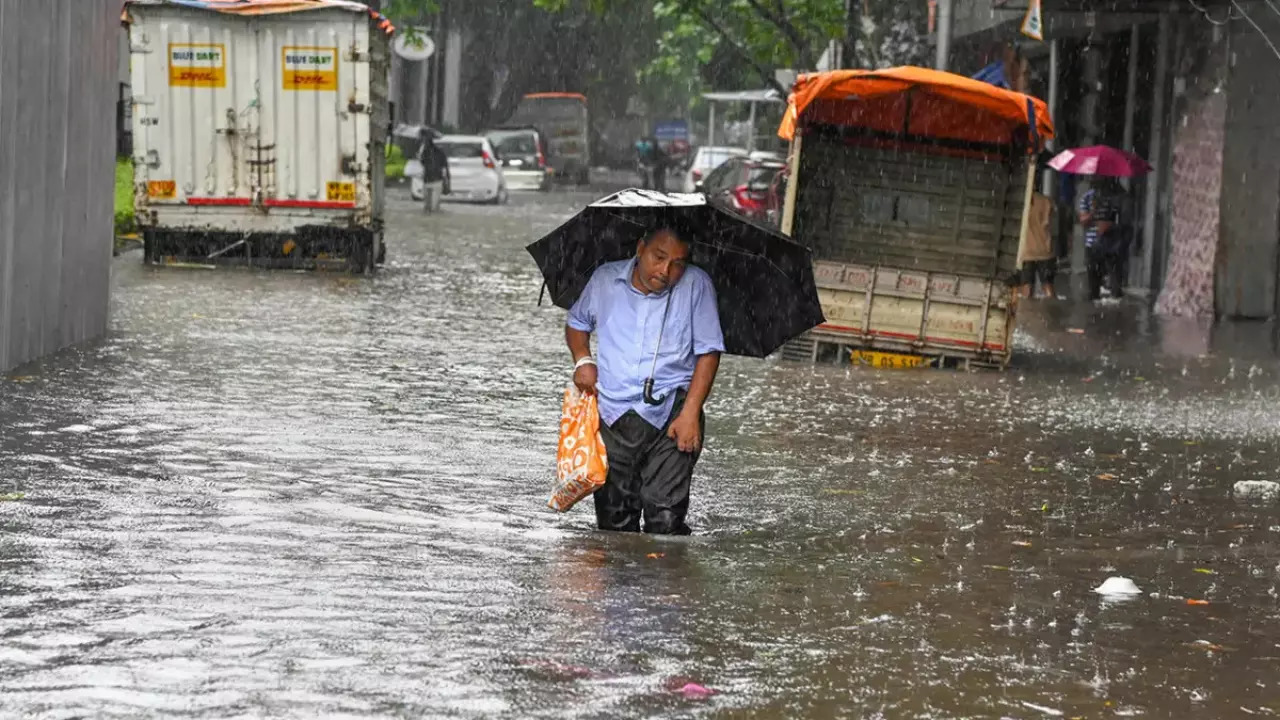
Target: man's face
x=660, y=262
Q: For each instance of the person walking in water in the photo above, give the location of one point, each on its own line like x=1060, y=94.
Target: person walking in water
x=659, y=342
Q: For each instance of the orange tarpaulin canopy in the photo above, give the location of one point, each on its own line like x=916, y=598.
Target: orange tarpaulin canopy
x=918, y=102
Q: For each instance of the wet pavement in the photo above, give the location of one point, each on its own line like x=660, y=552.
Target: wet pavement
x=302, y=495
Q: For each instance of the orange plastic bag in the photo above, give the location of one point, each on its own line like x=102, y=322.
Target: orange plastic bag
x=581, y=462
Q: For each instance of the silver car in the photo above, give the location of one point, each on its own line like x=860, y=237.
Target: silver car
x=522, y=156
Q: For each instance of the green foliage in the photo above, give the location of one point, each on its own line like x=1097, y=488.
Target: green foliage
x=395, y=162
x=125, y=222
x=404, y=11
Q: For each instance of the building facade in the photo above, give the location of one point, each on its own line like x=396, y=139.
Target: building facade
x=1190, y=87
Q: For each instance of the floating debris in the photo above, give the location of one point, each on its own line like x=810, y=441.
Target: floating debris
x=1118, y=587
x=1257, y=490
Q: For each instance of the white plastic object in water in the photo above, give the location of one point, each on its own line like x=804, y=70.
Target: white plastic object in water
x=1118, y=586
x=1264, y=490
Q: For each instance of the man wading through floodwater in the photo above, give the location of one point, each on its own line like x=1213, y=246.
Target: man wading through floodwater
x=659, y=341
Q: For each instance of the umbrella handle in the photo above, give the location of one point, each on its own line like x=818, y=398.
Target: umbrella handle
x=649, y=399
x=648, y=383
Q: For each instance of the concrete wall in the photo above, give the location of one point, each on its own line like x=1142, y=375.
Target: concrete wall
x=1250, y=234
x=1199, y=142
x=58, y=68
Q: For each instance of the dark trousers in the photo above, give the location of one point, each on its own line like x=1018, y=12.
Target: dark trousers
x=1106, y=267
x=648, y=476
x=660, y=178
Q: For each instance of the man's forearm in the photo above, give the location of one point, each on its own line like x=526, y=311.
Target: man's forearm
x=704, y=376
x=579, y=342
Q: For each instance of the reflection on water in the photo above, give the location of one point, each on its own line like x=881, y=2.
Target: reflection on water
x=318, y=495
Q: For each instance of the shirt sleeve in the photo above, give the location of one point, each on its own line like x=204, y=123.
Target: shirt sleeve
x=582, y=316
x=1086, y=202
x=707, y=335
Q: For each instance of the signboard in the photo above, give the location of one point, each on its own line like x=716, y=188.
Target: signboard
x=192, y=65
x=310, y=68
x=671, y=131
x=1033, y=21
x=414, y=45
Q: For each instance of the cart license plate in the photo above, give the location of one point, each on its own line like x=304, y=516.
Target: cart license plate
x=894, y=361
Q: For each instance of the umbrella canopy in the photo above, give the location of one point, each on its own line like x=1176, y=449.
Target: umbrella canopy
x=1100, y=160
x=764, y=282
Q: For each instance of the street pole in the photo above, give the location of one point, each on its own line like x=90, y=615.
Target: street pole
x=943, y=60
x=1131, y=97
x=1054, y=93
x=852, y=32
x=1152, y=257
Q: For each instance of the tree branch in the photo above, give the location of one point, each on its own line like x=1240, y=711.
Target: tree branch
x=788, y=28
x=765, y=73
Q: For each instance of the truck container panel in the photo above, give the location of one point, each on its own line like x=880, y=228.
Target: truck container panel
x=259, y=138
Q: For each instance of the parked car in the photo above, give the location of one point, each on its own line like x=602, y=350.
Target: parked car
x=522, y=155
x=777, y=200
x=767, y=155
x=706, y=160
x=743, y=186
x=473, y=169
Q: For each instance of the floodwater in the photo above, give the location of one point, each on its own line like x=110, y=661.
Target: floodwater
x=303, y=495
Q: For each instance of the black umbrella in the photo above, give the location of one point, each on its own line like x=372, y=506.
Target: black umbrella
x=764, y=282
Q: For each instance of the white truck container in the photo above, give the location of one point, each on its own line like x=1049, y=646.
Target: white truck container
x=259, y=133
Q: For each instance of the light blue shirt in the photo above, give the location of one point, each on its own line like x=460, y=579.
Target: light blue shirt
x=626, y=323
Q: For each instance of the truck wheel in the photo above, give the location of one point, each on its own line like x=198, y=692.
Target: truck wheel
x=148, y=248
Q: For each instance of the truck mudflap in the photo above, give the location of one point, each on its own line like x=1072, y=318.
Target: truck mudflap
x=313, y=247
x=932, y=314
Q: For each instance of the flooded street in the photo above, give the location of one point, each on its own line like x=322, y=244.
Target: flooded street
x=304, y=495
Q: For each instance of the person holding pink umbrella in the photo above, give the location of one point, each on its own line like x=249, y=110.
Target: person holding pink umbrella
x=1106, y=237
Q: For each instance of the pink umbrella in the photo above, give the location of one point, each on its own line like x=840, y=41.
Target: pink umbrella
x=1100, y=160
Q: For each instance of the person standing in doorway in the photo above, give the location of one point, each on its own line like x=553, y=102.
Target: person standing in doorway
x=659, y=341
x=1099, y=214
